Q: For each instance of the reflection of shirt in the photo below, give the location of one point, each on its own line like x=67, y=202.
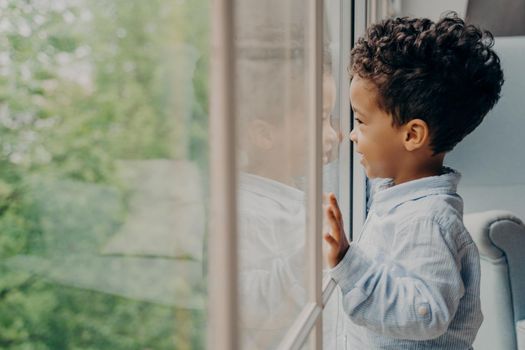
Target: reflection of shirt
x=411, y=280
x=271, y=247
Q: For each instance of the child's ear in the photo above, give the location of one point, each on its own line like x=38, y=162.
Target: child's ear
x=416, y=134
x=262, y=134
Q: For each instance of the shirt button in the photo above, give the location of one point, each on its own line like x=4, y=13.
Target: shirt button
x=422, y=311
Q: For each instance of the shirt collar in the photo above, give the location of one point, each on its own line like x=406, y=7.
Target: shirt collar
x=388, y=196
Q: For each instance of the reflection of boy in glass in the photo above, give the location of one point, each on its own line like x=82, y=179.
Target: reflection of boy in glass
x=411, y=280
x=271, y=97
x=271, y=208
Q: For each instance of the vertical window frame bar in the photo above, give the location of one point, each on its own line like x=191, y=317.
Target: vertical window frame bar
x=223, y=261
x=315, y=173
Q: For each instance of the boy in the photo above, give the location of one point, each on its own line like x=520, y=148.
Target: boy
x=411, y=280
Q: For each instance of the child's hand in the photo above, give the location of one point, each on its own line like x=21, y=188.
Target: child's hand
x=337, y=242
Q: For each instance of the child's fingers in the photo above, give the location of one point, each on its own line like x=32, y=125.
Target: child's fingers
x=334, y=223
x=330, y=214
x=335, y=205
x=330, y=240
x=334, y=215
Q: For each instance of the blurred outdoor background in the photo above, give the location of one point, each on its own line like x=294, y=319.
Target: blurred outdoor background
x=103, y=152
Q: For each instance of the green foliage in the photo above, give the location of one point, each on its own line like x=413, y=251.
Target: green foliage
x=84, y=85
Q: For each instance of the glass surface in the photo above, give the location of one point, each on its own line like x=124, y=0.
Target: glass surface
x=273, y=147
x=103, y=182
x=333, y=78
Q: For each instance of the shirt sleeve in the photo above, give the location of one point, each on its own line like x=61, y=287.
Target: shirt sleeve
x=412, y=293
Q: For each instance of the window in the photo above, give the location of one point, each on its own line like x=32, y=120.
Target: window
x=280, y=106
x=104, y=151
x=128, y=218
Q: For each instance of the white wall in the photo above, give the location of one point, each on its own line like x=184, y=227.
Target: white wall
x=432, y=9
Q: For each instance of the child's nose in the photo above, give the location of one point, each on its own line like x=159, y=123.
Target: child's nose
x=353, y=135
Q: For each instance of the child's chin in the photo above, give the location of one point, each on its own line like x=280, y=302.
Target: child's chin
x=369, y=174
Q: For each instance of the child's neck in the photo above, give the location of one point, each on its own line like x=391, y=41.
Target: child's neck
x=418, y=170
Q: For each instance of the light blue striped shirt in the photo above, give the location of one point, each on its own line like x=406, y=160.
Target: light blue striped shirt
x=411, y=279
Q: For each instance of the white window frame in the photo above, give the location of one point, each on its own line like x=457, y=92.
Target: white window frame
x=222, y=259
x=223, y=262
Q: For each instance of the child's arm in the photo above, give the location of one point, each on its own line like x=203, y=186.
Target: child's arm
x=413, y=293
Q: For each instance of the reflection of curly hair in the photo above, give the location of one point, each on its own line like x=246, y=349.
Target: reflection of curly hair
x=444, y=73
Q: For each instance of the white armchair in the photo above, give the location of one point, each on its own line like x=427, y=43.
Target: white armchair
x=500, y=237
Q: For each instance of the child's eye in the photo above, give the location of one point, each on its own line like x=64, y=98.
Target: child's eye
x=358, y=121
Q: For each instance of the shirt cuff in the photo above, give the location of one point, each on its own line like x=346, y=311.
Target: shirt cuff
x=351, y=268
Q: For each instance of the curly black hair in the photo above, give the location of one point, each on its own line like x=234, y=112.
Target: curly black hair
x=443, y=72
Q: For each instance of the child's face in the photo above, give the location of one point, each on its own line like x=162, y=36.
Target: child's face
x=379, y=143
x=295, y=135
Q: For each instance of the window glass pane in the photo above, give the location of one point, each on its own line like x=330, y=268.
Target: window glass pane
x=103, y=182
x=271, y=78
x=334, y=76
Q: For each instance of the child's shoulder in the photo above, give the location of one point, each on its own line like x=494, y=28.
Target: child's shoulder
x=445, y=211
